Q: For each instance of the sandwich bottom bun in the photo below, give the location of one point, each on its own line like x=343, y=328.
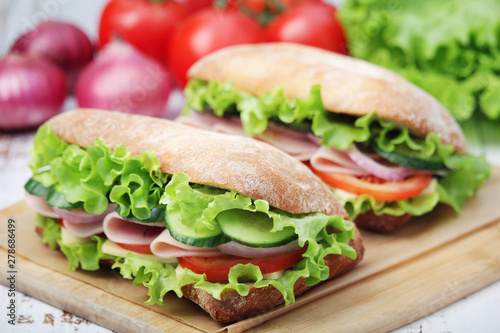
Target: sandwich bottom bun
x=381, y=223
x=233, y=307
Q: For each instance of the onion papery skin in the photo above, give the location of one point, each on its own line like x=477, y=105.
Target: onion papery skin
x=32, y=90
x=121, y=78
x=62, y=43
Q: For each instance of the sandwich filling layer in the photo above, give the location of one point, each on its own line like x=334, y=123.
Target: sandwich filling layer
x=370, y=163
x=96, y=198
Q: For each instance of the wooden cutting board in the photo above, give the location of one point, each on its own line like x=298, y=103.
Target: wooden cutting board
x=427, y=265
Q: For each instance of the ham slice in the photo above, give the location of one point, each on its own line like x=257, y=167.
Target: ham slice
x=83, y=229
x=331, y=160
x=119, y=230
x=39, y=205
x=164, y=246
x=226, y=125
x=294, y=143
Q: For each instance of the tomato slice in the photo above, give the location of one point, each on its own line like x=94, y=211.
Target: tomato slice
x=217, y=268
x=380, y=189
x=137, y=248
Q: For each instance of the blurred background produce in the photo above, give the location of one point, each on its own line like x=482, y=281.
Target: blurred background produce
x=122, y=78
x=148, y=25
x=133, y=52
x=62, y=43
x=449, y=48
x=31, y=91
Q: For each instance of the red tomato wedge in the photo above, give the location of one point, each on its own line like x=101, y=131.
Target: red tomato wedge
x=380, y=189
x=141, y=248
x=217, y=268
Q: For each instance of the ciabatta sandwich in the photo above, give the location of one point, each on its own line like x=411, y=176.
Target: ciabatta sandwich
x=231, y=223
x=388, y=150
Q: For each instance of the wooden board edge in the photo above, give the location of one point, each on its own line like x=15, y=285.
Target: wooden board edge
x=87, y=301
x=413, y=289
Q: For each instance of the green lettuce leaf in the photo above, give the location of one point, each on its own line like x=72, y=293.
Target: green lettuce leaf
x=84, y=255
x=255, y=112
x=95, y=176
x=341, y=131
x=161, y=278
x=51, y=231
x=461, y=53
x=87, y=255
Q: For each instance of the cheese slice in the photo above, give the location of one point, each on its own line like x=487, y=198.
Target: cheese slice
x=114, y=249
x=68, y=238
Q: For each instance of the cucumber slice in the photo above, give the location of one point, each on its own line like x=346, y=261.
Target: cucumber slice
x=202, y=237
x=404, y=156
x=253, y=229
x=157, y=215
x=54, y=198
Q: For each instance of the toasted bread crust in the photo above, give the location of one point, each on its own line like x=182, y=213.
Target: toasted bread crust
x=234, y=307
x=381, y=223
x=348, y=85
x=247, y=166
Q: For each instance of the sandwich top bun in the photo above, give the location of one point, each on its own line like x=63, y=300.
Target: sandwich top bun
x=348, y=85
x=247, y=166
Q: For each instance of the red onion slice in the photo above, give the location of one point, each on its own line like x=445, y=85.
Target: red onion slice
x=82, y=216
x=387, y=171
x=240, y=250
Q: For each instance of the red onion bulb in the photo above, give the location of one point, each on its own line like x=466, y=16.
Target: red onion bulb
x=62, y=43
x=31, y=91
x=122, y=78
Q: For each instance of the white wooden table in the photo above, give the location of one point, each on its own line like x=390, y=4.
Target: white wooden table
x=476, y=313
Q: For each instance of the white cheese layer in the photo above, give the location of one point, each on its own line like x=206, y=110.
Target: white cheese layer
x=114, y=249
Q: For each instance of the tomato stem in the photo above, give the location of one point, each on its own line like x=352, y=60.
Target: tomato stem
x=271, y=9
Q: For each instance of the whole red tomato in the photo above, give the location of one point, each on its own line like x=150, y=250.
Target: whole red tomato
x=206, y=31
x=146, y=24
x=312, y=23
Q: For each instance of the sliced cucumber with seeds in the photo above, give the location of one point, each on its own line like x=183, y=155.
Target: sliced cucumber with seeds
x=201, y=237
x=253, y=229
x=404, y=156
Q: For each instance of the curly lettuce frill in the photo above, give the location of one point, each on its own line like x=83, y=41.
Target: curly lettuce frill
x=461, y=52
x=85, y=255
x=198, y=206
x=95, y=176
x=341, y=131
